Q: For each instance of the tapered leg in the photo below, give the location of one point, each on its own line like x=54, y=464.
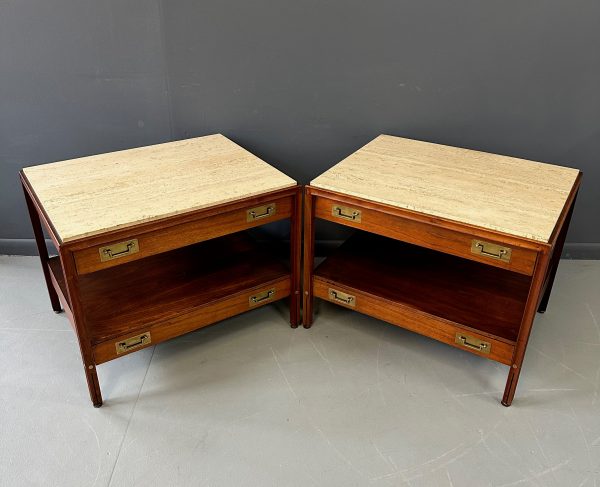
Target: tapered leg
x=42, y=251
x=535, y=290
x=85, y=345
x=93, y=386
x=295, y=257
x=309, y=257
x=544, y=273
x=555, y=261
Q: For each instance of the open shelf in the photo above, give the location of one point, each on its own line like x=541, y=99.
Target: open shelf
x=463, y=292
x=167, y=286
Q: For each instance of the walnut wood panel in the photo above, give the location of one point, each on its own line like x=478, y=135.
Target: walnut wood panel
x=413, y=320
x=557, y=240
x=200, y=317
x=163, y=239
x=427, y=234
x=39, y=218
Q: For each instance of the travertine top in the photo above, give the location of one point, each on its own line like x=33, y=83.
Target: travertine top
x=92, y=195
x=515, y=196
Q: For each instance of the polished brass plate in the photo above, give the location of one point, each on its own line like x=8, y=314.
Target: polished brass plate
x=473, y=343
x=491, y=250
x=259, y=212
x=343, y=298
x=133, y=343
x=346, y=213
x=261, y=297
x=121, y=249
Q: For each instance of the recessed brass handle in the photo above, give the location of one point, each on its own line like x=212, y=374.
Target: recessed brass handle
x=133, y=343
x=259, y=212
x=346, y=213
x=260, y=297
x=117, y=250
x=343, y=298
x=473, y=343
x=491, y=250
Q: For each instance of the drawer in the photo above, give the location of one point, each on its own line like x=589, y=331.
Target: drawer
x=198, y=318
x=420, y=322
x=136, y=246
x=470, y=246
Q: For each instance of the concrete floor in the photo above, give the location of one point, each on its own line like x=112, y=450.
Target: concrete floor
x=251, y=402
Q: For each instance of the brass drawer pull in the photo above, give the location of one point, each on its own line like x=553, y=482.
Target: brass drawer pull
x=343, y=298
x=491, y=250
x=261, y=212
x=473, y=343
x=133, y=343
x=260, y=297
x=346, y=213
x=120, y=249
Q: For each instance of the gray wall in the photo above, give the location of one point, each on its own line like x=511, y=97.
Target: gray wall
x=301, y=84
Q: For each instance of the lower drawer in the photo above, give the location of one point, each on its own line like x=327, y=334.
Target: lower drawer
x=415, y=320
x=197, y=318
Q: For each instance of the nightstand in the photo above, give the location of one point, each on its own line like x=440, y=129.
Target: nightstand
x=154, y=242
x=457, y=245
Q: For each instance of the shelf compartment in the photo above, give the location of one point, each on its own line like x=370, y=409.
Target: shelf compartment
x=178, y=291
x=429, y=292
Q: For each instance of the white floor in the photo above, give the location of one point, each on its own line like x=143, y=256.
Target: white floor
x=251, y=402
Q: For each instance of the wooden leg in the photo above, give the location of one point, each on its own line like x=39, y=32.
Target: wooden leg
x=93, y=386
x=295, y=256
x=42, y=251
x=535, y=290
x=555, y=261
x=309, y=257
x=544, y=272
x=85, y=345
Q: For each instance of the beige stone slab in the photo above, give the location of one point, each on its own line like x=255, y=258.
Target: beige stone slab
x=96, y=194
x=515, y=196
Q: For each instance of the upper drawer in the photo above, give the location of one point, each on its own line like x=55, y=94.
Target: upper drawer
x=461, y=244
x=136, y=246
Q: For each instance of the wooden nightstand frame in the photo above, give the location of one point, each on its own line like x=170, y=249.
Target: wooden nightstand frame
x=80, y=260
x=536, y=260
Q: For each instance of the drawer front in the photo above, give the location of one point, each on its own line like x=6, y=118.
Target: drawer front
x=465, y=245
x=414, y=320
x=109, y=254
x=198, y=318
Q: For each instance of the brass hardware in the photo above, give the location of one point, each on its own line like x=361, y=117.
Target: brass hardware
x=491, y=250
x=346, y=213
x=343, y=298
x=261, y=297
x=259, y=212
x=473, y=343
x=133, y=343
x=117, y=250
